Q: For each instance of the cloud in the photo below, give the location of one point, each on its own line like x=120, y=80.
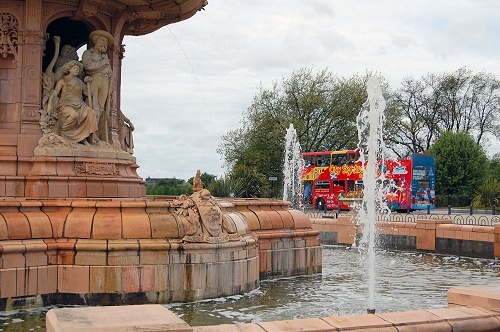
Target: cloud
x=187, y=84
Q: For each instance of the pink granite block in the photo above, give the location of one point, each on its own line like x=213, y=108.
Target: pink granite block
x=107, y=223
x=147, y=278
x=36, y=252
x=136, y=223
x=309, y=325
x=161, y=279
x=419, y=320
x=360, y=323
x=110, y=188
x=27, y=281
x=57, y=217
x=8, y=284
x=105, y=279
x=13, y=254
x=91, y=252
x=73, y=279
x=123, y=252
x=131, y=279
x=47, y=279
x=79, y=220
x=466, y=319
x=94, y=188
x=249, y=327
x=264, y=219
x=18, y=226
x=77, y=188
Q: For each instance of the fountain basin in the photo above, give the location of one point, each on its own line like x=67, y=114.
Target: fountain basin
x=101, y=251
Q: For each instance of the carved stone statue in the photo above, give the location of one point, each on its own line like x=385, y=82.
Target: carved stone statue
x=127, y=128
x=97, y=66
x=197, y=183
x=50, y=77
x=76, y=120
x=203, y=219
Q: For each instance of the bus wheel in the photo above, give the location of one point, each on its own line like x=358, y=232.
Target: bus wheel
x=320, y=205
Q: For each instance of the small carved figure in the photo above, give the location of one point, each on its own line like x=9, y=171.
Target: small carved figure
x=76, y=120
x=126, y=134
x=97, y=66
x=68, y=53
x=197, y=183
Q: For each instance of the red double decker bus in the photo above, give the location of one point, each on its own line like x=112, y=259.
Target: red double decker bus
x=327, y=175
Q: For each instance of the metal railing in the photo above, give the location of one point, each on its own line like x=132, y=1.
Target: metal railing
x=458, y=216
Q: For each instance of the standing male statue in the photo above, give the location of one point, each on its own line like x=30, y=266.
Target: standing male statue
x=96, y=64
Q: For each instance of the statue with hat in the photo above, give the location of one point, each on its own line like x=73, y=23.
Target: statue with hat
x=96, y=64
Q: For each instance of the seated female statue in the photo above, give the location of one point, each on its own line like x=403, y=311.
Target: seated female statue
x=77, y=122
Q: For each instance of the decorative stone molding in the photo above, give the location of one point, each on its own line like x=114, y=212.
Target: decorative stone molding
x=9, y=29
x=31, y=113
x=84, y=168
x=33, y=37
x=90, y=7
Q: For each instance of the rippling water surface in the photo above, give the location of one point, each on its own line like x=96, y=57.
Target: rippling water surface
x=404, y=281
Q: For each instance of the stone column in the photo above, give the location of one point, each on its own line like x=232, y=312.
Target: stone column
x=33, y=40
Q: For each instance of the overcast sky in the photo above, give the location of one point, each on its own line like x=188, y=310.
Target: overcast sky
x=187, y=84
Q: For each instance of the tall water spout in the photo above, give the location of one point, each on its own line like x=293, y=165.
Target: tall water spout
x=371, y=146
x=292, y=168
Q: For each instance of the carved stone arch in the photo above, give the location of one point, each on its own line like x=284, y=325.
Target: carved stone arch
x=72, y=32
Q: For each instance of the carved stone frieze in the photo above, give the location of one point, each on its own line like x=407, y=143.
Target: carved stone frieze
x=31, y=113
x=90, y=7
x=33, y=10
x=9, y=30
x=33, y=37
x=92, y=168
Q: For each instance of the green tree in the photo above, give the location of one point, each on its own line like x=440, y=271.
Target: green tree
x=488, y=193
x=494, y=169
x=461, y=163
x=439, y=103
x=321, y=106
x=169, y=186
x=243, y=182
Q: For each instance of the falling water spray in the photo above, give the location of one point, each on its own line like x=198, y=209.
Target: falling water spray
x=293, y=164
x=371, y=146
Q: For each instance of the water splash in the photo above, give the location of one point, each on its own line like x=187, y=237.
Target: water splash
x=372, y=153
x=292, y=167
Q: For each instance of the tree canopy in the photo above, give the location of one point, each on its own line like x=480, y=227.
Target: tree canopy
x=322, y=108
x=461, y=163
x=447, y=102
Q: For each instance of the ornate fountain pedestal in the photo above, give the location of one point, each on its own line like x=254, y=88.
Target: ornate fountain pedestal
x=75, y=223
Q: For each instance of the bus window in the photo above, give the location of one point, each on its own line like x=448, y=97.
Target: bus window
x=308, y=161
x=351, y=185
x=322, y=185
x=338, y=185
x=338, y=159
x=351, y=158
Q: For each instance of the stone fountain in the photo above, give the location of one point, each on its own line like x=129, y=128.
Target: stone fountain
x=76, y=226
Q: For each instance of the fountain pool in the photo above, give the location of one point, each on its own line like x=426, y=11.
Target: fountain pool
x=405, y=281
